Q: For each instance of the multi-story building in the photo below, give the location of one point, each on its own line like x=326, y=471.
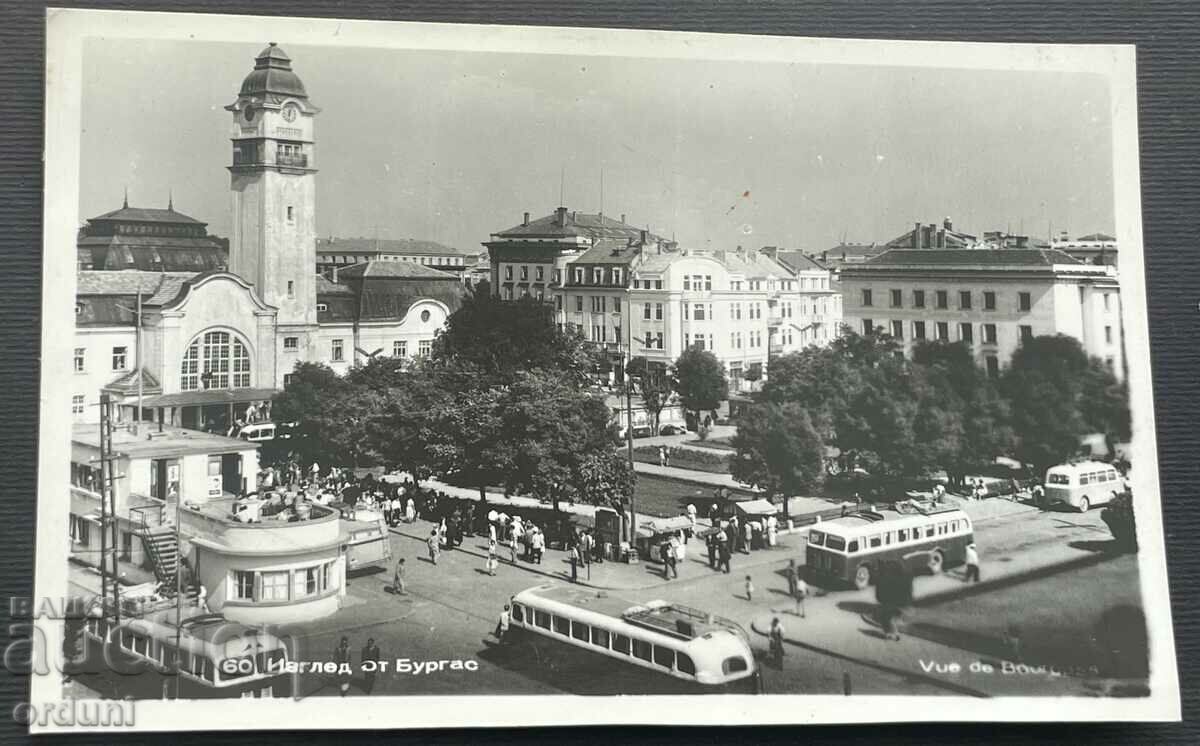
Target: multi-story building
x=1094, y=248
x=990, y=299
x=339, y=253
x=199, y=346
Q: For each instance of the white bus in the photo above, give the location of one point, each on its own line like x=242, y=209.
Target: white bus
x=1082, y=484
x=654, y=648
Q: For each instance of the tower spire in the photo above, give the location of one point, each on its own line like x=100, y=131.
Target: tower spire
x=170, y=200
x=125, y=204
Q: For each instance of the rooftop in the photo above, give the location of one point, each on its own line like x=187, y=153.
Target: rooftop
x=156, y=288
x=967, y=258
x=563, y=223
x=150, y=443
x=413, y=246
x=666, y=618
x=395, y=269
x=147, y=215
x=273, y=74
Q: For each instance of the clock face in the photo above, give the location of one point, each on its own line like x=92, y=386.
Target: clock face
x=249, y=113
x=289, y=113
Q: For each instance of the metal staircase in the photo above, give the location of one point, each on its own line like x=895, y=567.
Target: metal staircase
x=162, y=548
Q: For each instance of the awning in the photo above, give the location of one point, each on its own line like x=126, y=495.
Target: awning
x=209, y=396
x=757, y=507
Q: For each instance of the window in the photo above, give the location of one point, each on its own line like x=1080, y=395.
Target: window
x=698, y=312
x=989, y=334
x=217, y=360
x=600, y=637
x=508, y=273
x=580, y=631
x=541, y=619
x=616, y=276
x=993, y=366
x=244, y=584
x=902, y=534
x=518, y=613
x=290, y=214
x=1026, y=333
x=80, y=353
x=1023, y=301
x=964, y=300
x=687, y=282
x=943, y=331
x=620, y=644
x=966, y=333
x=120, y=357
x=558, y=302
x=866, y=297
x=896, y=298
x=307, y=582
x=989, y=301
x=898, y=329
x=274, y=586
x=646, y=312
x=875, y=541
x=616, y=304
x=658, y=311
x=643, y=650
x=291, y=344
x=942, y=299
x=400, y=348
x=1108, y=337
x=337, y=350
x=321, y=308
x=562, y=625
x=658, y=339
x=918, y=299
x=579, y=303
x=539, y=273
x=868, y=327
x=425, y=347
x=734, y=664
x=524, y=272
x=708, y=282
x=664, y=657
x=684, y=664
x=291, y=289
x=1107, y=300
x=287, y=379
x=77, y=404
x=918, y=330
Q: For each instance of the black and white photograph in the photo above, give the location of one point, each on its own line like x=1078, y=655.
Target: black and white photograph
x=464, y=375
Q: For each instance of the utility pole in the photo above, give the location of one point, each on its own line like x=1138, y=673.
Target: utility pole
x=629, y=422
x=137, y=418
x=108, y=509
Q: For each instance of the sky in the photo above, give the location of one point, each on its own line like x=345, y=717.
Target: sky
x=452, y=146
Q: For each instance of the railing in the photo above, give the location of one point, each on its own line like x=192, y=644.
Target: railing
x=282, y=159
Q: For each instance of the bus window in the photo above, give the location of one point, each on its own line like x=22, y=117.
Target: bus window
x=735, y=664
x=1059, y=479
x=851, y=548
x=642, y=649
x=620, y=644
x=141, y=645
x=541, y=619
x=664, y=657
x=889, y=537
x=902, y=534
x=941, y=529
x=816, y=538
x=1112, y=476
x=1085, y=479
x=562, y=625
x=518, y=614
x=600, y=637
x=580, y=631
x=684, y=664
x=835, y=543
x=875, y=541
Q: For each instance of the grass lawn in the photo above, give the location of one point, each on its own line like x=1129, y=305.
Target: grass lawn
x=664, y=498
x=715, y=444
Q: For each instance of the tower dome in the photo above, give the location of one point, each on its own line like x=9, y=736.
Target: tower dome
x=273, y=74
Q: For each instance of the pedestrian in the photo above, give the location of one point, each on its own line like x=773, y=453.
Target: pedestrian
x=501, y=631
x=341, y=656
x=398, y=579
x=492, y=561
x=369, y=664
x=202, y=599
x=315, y=470
x=749, y=589
x=673, y=559
x=662, y=456
x=891, y=622
x=512, y=551
x=588, y=546
x=575, y=559
x=492, y=531
x=691, y=514
x=972, y=558
x=725, y=556
x=410, y=510
x=792, y=573
x=800, y=594
x=772, y=530
x=435, y=546
x=663, y=551
x=776, y=637
x=539, y=545
x=747, y=537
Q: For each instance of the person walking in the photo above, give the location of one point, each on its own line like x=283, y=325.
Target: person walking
x=341, y=656
x=492, y=560
x=711, y=543
x=435, y=546
x=747, y=536
x=772, y=531
x=501, y=631
x=662, y=456
x=369, y=663
x=673, y=559
x=663, y=551
x=972, y=557
x=725, y=555
x=691, y=514
x=539, y=545
x=800, y=594
x=749, y=589
x=792, y=573
x=776, y=637
x=575, y=560
x=587, y=547
x=512, y=551
x=410, y=510
x=398, y=579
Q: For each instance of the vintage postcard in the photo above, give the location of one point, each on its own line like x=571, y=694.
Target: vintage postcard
x=454, y=372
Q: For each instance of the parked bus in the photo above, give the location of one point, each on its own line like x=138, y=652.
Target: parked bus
x=369, y=543
x=217, y=658
x=655, y=648
x=1082, y=484
x=924, y=536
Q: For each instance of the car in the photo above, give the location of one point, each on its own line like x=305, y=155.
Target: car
x=672, y=430
x=643, y=431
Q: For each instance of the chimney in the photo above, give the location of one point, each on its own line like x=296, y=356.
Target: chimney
x=560, y=217
x=916, y=242
x=622, y=217
x=947, y=224
x=335, y=273
x=643, y=233
x=771, y=251
x=526, y=220
x=941, y=237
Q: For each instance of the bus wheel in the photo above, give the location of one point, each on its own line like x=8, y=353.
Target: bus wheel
x=936, y=562
x=1084, y=505
x=862, y=577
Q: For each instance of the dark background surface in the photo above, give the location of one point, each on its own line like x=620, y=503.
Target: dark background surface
x=1165, y=33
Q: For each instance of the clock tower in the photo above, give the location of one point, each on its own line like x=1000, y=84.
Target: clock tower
x=273, y=187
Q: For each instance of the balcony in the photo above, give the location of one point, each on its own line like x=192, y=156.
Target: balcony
x=295, y=160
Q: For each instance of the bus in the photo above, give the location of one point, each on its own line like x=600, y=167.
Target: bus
x=369, y=542
x=653, y=648
x=137, y=657
x=1082, y=484
x=924, y=536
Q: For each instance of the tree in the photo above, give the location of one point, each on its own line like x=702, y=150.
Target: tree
x=401, y=432
x=1057, y=395
x=499, y=339
x=606, y=478
x=652, y=384
x=778, y=450
x=308, y=400
x=1118, y=516
x=700, y=381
